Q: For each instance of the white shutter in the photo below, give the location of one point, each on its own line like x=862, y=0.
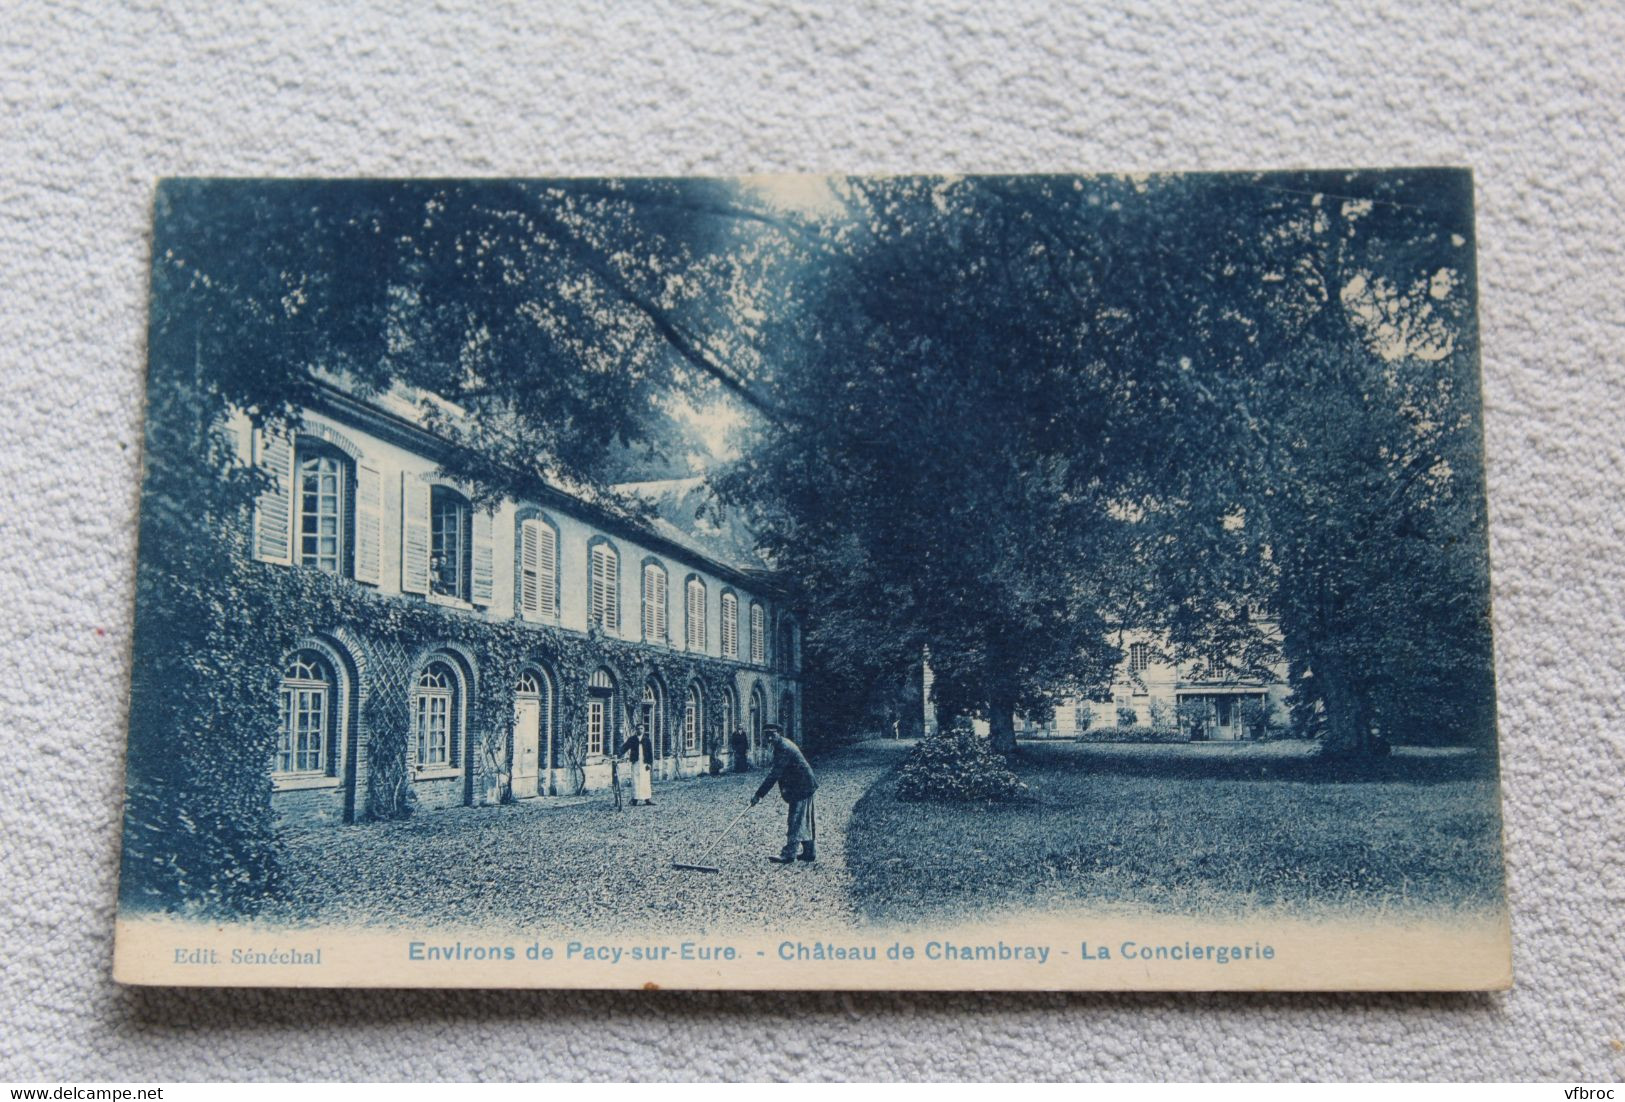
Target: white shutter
x=695, y=616
x=483, y=574
x=273, y=513
x=730, y=626
x=547, y=569
x=529, y=598
x=597, y=586
x=369, y=524
x=612, y=590
x=414, y=534
x=661, y=605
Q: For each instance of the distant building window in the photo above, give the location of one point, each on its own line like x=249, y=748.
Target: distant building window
x=694, y=615
x=730, y=626
x=758, y=634
x=1139, y=657
x=308, y=689
x=434, y=717
x=654, y=603
x=321, y=482
x=604, y=584
x=449, y=540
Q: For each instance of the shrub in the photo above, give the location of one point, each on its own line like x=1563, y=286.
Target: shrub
x=1162, y=715
x=956, y=765
x=1137, y=733
x=1127, y=716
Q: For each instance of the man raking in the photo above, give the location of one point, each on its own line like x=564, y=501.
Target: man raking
x=796, y=782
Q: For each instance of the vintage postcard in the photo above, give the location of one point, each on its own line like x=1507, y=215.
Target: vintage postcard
x=1049, y=582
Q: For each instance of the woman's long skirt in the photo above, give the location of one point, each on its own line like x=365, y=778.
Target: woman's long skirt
x=642, y=781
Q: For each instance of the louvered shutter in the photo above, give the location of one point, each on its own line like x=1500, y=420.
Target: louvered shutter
x=369, y=524
x=695, y=616
x=660, y=605
x=529, y=597
x=547, y=569
x=612, y=590
x=730, y=626
x=414, y=534
x=273, y=513
x=483, y=574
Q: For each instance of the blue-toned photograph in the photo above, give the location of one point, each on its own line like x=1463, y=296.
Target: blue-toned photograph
x=918, y=581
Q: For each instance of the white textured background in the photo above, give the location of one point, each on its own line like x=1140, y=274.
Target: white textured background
x=98, y=100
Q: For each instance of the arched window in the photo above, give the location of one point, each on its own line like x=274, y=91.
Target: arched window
x=694, y=614
x=654, y=603
x=538, y=568
x=730, y=624
x=758, y=715
x=730, y=714
x=600, y=712
x=309, y=692
x=758, y=634
x=450, y=520
x=604, y=587
x=692, y=721
x=651, y=714
x=434, y=717
x=322, y=491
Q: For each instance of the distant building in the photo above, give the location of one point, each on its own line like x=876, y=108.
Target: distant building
x=1208, y=700
x=665, y=623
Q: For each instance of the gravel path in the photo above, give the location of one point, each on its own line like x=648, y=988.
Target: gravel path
x=584, y=866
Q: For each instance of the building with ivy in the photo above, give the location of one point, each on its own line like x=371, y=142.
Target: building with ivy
x=463, y=652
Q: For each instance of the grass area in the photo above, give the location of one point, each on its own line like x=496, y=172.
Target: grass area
x=1205, y=829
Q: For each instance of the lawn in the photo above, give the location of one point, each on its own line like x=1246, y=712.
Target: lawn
x=1211, y=830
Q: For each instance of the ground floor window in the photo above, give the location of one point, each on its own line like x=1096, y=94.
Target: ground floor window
x=691, y=722
x=432, y=716
x=308, y=689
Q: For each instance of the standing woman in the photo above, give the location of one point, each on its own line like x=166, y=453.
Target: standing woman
x=638, y=750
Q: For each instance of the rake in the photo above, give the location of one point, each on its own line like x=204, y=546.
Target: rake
x=714, y=843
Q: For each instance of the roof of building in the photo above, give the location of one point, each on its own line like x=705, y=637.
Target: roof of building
x=687, y=514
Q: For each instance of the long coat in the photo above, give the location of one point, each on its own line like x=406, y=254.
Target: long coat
x=637, y=748
x=790, y=772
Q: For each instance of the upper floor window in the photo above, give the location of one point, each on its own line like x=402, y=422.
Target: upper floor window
x=538, y=568
x=1139, y=657
x=730, y=625
x=308, y=690
x=694, y=615
x=321, y=483
x=758, y=634
x=604, y=588
x=654, y=603
x=449, y=540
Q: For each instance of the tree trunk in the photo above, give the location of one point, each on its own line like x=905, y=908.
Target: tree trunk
x=1002, y=728
x=1348, y=730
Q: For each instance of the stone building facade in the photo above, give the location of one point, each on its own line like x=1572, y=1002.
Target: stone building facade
x=623, y=622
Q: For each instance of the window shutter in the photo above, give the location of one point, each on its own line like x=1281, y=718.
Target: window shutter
x=369, y=524
x=612, y=590
x=529, y=598
x=598, y=586
x=547, y=569
x=660, y=605
x=482, y=579
x=414, y=534
x=273, y=513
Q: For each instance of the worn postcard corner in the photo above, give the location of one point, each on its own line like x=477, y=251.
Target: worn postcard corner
x=1047, y=582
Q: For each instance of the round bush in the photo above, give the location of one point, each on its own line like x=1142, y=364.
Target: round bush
x=956, y=765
